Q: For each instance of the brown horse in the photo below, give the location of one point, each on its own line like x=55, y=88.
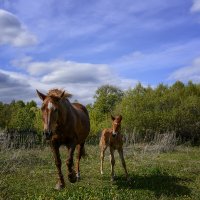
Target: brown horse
x=64, y=124
x=112, y=137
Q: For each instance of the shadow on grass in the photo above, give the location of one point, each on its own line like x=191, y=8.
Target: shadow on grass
x=160, y=184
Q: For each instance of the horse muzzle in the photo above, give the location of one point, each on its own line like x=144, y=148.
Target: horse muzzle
x=114, y=134
x=47, y=135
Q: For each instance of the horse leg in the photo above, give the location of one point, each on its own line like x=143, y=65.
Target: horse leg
x=121, y=155
x=80, y=151
x=112, y=161
x=70, y=165
x=103, y=149
x=61, y=183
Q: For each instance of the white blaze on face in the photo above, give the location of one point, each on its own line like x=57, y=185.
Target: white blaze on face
x=114, y=132
x=50, y=106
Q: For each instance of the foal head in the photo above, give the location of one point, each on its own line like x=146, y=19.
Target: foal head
x=50, y=109
x=116, y=124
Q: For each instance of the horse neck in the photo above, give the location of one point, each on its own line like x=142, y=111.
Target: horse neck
x=66, y=111
x=119, y=131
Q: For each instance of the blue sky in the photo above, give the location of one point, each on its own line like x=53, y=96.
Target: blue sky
x=80, y=45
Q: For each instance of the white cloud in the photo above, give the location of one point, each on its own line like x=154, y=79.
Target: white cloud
x=78, y=73
x=23, y=62
x=71, y=20
x=14, y=86
x=195, y=6
x=80, y=79
x=13, y=32
x=187, y=73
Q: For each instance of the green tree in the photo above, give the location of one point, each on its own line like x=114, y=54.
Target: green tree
x=162, y=109
x=106, y=98
x=22, y=118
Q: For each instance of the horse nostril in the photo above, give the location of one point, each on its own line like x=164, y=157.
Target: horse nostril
x=50, y=133
x=114, y=134
x=47, y=134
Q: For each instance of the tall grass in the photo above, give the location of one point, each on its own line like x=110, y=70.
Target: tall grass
x=31, y=174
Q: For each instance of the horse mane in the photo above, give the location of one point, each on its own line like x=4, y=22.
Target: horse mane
x=57, y=92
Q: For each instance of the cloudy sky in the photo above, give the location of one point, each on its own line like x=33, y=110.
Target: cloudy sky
x=80, y=45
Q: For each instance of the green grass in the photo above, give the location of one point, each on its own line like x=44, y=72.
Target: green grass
x=31, y=174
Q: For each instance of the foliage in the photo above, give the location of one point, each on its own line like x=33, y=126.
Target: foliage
x=20, y=116
x=175, y=108
x=106, y=98
x=162, y=109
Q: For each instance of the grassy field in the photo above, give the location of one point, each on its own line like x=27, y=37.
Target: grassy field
x=31, y=174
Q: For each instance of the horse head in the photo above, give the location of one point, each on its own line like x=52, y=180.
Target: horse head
x=50, y=112
x=116, y=124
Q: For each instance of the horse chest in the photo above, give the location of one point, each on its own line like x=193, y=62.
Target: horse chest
x=63, y=139
x=116, y=142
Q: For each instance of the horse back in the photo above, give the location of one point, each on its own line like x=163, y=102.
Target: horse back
x=80, y=107
x=82, y=122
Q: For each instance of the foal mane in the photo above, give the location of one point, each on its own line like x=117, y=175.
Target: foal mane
x=57, y=93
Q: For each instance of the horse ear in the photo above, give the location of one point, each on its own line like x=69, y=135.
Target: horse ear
x=62, y=95
x=42, y=96
x=113, y=118
x=120, y=117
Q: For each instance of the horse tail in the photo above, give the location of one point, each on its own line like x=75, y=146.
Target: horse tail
x=81, y=150
x=83, y=153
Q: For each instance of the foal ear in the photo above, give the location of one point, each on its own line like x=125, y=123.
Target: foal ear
x=42, y=96
x=113, y=118
x=120, y=117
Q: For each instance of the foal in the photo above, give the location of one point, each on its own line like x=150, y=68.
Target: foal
x=112, y=137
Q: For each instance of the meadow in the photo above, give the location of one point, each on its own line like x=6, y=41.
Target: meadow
x=31, y=174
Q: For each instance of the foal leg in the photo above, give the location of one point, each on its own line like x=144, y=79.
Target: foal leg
x=112, y=161
x=70, y=165
x=80, y=151
x=121, y=155
x=60, y=184
x=103, y=149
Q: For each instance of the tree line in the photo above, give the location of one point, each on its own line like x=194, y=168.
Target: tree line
x=20, y=116
x=148, y=110
x=153, y=110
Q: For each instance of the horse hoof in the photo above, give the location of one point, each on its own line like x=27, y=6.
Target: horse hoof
x=72, y=178
x=78, y=177
x=59, y=186
x=112, y=178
